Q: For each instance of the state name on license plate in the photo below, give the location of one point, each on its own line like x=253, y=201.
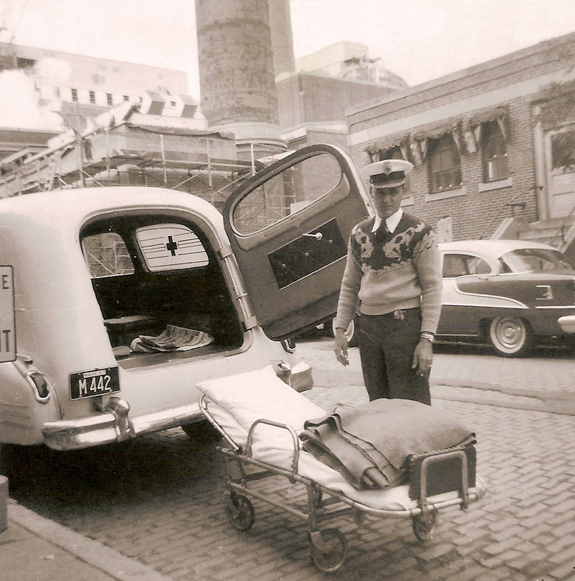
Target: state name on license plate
x=94, y=382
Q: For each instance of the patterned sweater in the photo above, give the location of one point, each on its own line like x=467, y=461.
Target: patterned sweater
x=387, y=272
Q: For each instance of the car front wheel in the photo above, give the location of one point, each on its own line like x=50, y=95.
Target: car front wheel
x=511, y=336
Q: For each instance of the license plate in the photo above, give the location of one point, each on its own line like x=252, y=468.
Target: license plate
x=95, y=382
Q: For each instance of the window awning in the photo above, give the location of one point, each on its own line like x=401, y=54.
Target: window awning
x=436, y=131
x=487, y=115
x=466, y=132
x=387, y=143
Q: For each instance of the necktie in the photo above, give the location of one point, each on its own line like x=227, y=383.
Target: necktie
x=382, y=232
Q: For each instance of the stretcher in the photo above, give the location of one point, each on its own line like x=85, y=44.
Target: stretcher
x=260, y=419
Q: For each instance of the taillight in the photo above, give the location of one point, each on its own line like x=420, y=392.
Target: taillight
x=41, y=385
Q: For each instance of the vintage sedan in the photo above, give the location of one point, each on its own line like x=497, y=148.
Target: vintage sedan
x=115, y=302
x=512, y=294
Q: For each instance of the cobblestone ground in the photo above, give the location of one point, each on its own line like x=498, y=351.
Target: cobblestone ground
x=159, y=500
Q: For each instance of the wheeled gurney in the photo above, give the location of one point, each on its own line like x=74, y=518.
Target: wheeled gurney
x=261, y=420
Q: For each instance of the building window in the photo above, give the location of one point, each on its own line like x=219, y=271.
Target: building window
x=563, y=150
x=25, y=63
x=126, y=98
x=92, y=97
x=495, y=167
x=444, y=164
x=109, y=99
x=75, y=95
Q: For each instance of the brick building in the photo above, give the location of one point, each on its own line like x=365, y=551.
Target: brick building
x=488, y=144
x=85, y=86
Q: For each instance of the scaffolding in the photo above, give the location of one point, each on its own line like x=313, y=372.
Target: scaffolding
x=131, y=154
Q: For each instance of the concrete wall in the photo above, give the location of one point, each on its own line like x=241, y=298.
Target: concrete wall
x=306, y=98
x=103, y=75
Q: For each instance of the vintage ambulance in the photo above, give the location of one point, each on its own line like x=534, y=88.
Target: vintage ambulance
x=116, y=302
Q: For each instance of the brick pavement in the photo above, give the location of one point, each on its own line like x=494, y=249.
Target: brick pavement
x=166, y=512
x=522, y=530
x=550, y=370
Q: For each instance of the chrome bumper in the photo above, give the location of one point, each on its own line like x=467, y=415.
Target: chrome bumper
x=114, y=424
x=110, y=426
x=567, y=323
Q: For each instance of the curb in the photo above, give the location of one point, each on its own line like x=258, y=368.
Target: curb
x=92, y=552
x=553, y=402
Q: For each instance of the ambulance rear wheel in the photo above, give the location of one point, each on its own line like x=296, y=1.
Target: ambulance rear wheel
x=240, y=511
x=202, y=432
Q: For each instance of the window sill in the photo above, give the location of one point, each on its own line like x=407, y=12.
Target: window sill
x=488, y=186
x=409, y=201
x=446, y=194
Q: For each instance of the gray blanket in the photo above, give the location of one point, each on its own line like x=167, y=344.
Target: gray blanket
x=369, y=444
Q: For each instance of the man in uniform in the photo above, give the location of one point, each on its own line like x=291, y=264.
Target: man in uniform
x=393, y=279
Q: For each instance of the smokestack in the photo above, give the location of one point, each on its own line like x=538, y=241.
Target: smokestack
x=282, y=36
x=236, y=66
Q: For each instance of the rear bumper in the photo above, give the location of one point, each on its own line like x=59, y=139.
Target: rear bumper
x=109, y=427
x=115, y=425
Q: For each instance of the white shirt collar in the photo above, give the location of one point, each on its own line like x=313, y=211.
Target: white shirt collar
x=391, y=222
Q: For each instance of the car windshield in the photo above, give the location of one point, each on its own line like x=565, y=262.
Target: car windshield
x=534, y=260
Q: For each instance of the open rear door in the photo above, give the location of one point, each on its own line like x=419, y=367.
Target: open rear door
x=289, y=227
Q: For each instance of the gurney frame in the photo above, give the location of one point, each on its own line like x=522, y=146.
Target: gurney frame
x=328, y=546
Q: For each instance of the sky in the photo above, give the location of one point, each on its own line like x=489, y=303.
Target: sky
x=419, y=40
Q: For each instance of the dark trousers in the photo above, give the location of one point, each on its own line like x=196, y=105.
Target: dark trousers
x=386, y=346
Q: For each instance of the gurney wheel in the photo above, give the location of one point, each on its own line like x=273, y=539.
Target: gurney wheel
x=328, y=550
x=240, y=511
x=424, y=525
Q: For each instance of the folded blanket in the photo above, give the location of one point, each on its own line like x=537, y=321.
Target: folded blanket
x=369, y=444
x=172, y=339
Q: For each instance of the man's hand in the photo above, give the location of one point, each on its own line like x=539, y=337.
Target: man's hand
x=423, y=357
x=340, y=347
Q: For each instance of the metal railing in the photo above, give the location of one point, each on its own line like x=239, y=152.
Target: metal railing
x=511, y=203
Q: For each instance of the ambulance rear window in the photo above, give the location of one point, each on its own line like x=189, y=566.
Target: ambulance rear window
x=106, y=255
x=170, y=247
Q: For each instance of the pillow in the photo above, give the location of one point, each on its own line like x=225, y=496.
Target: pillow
x=261, y=394
x=225, y=420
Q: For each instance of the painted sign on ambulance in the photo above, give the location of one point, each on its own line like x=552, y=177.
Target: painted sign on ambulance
x=7, y=327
